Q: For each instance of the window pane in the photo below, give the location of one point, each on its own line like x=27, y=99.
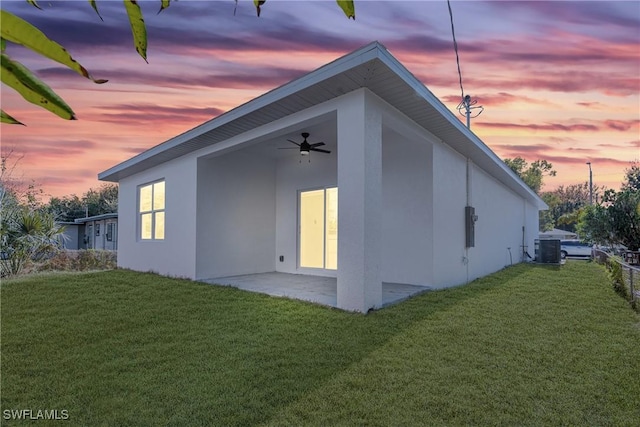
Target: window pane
x=145, y=198
x=158, y=195
x=145, y=226
x=159, y=232
x=312, y=229
x=331, y=245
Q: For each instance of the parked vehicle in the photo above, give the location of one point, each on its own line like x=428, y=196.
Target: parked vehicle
x=574, y=248
x=613, y=249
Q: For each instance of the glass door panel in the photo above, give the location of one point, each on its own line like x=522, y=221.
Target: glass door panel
x=312, y=229
x=331, y=229
x=319, y=229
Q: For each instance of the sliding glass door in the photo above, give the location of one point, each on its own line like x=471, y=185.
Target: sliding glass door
x=319, y=228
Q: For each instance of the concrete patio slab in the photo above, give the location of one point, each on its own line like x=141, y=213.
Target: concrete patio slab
x=317, y=289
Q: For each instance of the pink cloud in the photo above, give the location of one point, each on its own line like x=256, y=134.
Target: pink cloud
x=537, y=127
x=622, y=125
x=498, y=99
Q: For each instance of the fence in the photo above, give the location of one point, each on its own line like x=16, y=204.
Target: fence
x=626, y=277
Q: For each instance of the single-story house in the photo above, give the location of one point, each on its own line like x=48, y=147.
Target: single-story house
x=399, y=191
x=100, y=231
x=94, y=232
x=556, y=233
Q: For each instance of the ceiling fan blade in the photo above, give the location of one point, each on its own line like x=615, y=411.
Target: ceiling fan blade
x=293, y=142
x=320, y=150
x=317, y=144
x=288, y=148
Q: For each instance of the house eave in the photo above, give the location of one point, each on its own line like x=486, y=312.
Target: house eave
x=157, y=154
x=96, y=218
x=372, y=67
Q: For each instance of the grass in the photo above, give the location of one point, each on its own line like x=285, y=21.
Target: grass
x=530, y=345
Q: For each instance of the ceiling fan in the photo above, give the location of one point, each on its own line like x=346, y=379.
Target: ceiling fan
x=305, y=147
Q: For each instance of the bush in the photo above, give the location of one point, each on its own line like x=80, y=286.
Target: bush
x=615, y=272
x=81, y=260
x=26, y=236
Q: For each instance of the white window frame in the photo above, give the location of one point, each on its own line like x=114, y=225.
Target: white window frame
x=153, y=212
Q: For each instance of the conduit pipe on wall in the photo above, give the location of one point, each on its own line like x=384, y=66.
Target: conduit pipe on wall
x=468, y=203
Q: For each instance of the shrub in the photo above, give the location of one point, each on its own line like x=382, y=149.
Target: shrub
x=26, y=235
x=615, y=272
x=81, y=260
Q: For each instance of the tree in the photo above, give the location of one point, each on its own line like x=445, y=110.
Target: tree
x=103, y=200
x=632, y=178
x=34, y=90
x=532, y=174
x=93, y=202
x=566, y=203
x=67, y=208
x=624, y=217
x=27, y=232
x=546, y=219
x=593, y=225
x=25, y=192
x=617, y=218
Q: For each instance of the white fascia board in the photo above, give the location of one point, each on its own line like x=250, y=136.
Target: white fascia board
x=340, y=65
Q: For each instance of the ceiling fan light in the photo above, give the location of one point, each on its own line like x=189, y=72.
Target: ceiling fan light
x=305, y=148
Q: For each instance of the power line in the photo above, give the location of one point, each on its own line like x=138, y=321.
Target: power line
x=466, y=103
x=455, y=47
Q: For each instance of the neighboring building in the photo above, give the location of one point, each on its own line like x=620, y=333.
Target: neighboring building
x=100, y=231
x=407, y=193
x=94, y=232
x=558, y=234
x=73, y=236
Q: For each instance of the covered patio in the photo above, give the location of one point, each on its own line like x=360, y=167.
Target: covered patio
x=320, y=290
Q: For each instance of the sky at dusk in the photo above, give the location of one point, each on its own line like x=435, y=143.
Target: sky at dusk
x=559, y=80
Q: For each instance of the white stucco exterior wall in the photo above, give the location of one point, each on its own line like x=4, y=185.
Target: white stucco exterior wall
x=175, y=255
x=501, y=217
x=407, y=209
x=502, y=214
x=295, y=174
x=359, y=201
x=236, y=215
x=449, y=200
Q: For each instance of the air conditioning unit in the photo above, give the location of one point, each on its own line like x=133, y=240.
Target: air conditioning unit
x=548, y=251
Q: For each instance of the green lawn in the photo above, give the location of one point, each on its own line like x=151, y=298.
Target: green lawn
x=530, y=345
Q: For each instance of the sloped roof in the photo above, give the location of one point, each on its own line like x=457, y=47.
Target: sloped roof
x=371, y=66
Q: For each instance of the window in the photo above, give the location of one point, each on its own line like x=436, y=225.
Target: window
x=319, y=228
x=151, y=211
x=109, y=234
x=97, y=229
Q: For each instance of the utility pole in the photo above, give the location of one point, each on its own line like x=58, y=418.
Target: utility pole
x=467, y=105
x=590, y=184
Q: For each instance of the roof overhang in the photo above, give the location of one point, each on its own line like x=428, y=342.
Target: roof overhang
x=96, y=218
x=371, y=67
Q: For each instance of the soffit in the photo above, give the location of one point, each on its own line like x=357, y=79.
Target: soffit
x=371, y=67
